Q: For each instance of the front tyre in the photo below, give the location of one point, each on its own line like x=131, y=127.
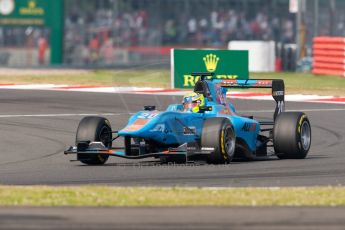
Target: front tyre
x=218, y=135
x=92, y=129
x=292, y=135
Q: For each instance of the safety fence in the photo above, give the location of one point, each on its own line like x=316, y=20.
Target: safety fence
x=329, y=56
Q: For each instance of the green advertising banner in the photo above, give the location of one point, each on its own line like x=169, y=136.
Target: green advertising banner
x=48, y=13
x=229, y=64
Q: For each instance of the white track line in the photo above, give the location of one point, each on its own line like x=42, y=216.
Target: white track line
x=120, y=114
x=290, y=110
x=162, y=91
x=62, y=115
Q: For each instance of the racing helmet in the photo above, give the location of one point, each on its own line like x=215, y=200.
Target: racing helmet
x=192, y=101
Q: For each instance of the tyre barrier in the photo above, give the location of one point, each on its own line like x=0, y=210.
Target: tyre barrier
x=329, y=56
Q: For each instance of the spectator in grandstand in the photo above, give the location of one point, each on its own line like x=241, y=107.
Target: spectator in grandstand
x=169, y=35
x=287, y=31
x=106, y=52
x=42, y=45
x=192, y=29
x=93, y=49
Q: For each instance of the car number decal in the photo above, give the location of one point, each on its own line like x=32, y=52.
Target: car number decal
x=147, y=115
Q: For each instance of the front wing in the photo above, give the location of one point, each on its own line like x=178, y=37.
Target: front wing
x=98, y=148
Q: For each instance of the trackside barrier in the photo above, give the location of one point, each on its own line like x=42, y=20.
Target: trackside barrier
x=329, y=56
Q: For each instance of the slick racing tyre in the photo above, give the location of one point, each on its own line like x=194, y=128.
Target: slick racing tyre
x=219, y=136
x=92, y=129
x=292, y=135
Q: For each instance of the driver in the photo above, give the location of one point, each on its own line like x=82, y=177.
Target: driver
x=192, y=102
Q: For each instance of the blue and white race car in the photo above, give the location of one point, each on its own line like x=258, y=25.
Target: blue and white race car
x=204, y=127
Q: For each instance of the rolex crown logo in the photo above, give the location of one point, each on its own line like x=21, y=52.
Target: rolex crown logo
x=211, y=61
x=32, y=4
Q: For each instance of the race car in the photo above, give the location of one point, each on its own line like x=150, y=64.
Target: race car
x=205, y=126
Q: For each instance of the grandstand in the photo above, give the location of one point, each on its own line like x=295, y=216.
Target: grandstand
x=131, y=32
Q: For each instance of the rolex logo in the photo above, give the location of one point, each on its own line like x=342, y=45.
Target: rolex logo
x=211, y=61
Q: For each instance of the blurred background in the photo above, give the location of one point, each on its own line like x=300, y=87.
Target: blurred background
x=125, y=33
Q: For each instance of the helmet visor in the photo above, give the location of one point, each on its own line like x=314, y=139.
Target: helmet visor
x=189, y=103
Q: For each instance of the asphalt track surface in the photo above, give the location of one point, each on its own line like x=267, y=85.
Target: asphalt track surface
x=36, y=127
x=241, y=218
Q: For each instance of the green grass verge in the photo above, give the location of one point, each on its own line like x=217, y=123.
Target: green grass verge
x=175, y=196
x=303, y=83
x=142, y=78
x=299, y=83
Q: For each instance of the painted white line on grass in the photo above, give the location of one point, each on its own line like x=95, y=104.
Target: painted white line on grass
x=62, y=115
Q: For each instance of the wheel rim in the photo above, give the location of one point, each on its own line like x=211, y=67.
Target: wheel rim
x=229, y=142
x=105, y=136
x=305, y=135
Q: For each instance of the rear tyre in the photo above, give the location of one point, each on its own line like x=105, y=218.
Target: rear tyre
x=92, y=129
x=219, y=135
x=292, y=135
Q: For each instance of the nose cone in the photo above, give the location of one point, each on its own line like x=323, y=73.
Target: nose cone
x=135, y=126
x=140, y=123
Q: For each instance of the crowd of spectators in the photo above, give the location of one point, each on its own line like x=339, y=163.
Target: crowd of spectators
x=101, y=34
x=32, y=41
x=219, y=27
x=97, y=32
x=141, y=28
x=98, y=35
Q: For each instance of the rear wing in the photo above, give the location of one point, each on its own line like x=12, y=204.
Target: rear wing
x=277, y=86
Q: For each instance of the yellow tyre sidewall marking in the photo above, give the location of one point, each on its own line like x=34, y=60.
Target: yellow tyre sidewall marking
x=300, y=123
x=222, y=143
x=299, y=129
